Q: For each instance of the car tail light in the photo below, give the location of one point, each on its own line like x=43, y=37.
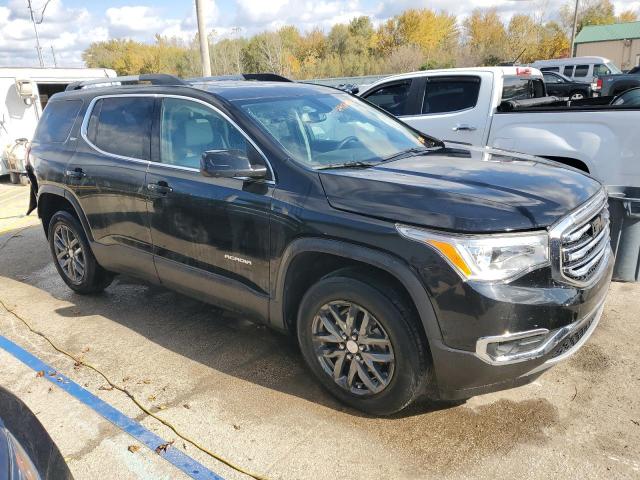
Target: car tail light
x=599, y=84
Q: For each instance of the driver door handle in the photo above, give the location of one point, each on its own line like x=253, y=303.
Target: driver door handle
x=161, y=187
x=463, y=127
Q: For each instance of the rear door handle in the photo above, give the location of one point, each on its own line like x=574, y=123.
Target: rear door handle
x=161, y=187
x=76, y=174
x=463, y=127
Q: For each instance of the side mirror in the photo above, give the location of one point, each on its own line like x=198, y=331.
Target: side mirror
x=230, y=164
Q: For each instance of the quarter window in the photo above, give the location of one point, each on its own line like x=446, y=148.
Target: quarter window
x=392, y=98
x=568, y=71
x=122, y=126
x=450, y=94
x=188, y=129
x=57, y=120
x=581, y=71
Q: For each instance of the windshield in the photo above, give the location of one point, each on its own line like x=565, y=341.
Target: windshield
x=332, y=129
x=615, y=70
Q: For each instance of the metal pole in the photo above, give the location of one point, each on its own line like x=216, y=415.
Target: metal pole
x=573, y=32
x=53, y=54
x=38, y=48
x=204, y=41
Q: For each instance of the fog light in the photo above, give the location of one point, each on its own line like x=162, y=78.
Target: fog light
x=512, y=347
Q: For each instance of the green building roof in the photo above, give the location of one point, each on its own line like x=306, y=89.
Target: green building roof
x=603, y=33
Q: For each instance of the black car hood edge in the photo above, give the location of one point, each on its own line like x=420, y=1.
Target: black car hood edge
x=463, y=189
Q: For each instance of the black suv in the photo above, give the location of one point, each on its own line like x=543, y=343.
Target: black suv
x=404, y=266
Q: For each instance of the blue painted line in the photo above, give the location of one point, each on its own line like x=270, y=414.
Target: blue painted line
x=174, y=456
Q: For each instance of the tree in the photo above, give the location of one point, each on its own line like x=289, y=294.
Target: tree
x=486, y=37
x=590, y=12
x=627, y=16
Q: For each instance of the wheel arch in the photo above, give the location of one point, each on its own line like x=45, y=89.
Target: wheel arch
x=293, y=276
x=52, y=198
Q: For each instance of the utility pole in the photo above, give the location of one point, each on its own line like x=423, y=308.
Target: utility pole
x=35, y=29
x=204, y=41
x=575, y=27
x=53, y=54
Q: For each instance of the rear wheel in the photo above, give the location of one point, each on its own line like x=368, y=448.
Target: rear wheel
x=73, y=257
x=362, y=344
x=577, y=95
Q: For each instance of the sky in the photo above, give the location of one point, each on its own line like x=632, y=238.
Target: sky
x=69, y=26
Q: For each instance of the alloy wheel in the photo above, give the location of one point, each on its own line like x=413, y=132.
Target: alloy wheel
x=69, y=253
x=353, y=348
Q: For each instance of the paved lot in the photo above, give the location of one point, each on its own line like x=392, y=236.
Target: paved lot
x=241, y=391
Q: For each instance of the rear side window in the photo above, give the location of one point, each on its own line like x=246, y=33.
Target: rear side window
x=568, y=71
x=122, y=126
x=450, y=94
x=517, y=88
x=57, y=121
x=392, y=98
x=581, y=71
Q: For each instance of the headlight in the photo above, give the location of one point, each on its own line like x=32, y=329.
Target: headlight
x=486, y=258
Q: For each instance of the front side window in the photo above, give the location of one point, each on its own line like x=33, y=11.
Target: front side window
x=188, y=129
x=551, y=78
x=122, y=126
x=393, y=98
x=550, y=69
x=600, y=70
x=581, y=71
x=321, y=130
x=450, y=94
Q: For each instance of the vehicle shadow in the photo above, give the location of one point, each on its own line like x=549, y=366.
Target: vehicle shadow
x=218, y=339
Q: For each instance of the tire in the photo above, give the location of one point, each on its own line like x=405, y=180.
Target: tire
x=411, y=367
x=576, y=95
x=66, y=231
x=14, y=177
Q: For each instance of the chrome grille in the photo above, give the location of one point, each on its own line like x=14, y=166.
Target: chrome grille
x=584, y=247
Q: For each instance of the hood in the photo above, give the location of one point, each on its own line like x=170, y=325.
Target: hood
x=464, y=189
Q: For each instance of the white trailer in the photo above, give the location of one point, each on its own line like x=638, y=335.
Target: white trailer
x=24, y=92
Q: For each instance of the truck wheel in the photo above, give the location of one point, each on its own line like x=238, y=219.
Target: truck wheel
x=73, y=257
x=577, y=95
x=362, y=344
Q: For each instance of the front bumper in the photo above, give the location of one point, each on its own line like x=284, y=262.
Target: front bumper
x=463, y=373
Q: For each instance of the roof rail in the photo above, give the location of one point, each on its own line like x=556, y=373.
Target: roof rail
x=152, y=78
x=258, y=77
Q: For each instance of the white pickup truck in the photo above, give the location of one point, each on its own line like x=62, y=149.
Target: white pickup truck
x=467, y=105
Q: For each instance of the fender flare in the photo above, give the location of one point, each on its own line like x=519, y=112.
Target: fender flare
x=390, y=264
x=71, y=198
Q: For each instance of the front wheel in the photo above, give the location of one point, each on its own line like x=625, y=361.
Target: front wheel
x=362, y=344
x=73, y=257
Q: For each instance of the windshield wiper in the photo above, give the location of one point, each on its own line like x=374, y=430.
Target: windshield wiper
x=408, y=152
x=348, y=165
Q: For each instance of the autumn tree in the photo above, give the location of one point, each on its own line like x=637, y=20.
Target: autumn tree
x=485, y=37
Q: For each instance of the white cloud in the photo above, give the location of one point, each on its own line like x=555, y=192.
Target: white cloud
x=68, y=30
